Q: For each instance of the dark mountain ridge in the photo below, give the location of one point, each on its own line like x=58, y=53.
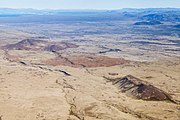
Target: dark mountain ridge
x=44, y=16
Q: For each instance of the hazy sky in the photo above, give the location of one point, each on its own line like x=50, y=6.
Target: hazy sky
x=88, y=4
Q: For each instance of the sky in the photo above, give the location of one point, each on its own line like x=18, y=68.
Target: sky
x=89, y=4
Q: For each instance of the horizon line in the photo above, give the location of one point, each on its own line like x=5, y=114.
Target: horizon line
x=94, y=8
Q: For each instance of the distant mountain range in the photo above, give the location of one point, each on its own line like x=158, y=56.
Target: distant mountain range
x=142, y=15
x=52, y=12
x=45, y=11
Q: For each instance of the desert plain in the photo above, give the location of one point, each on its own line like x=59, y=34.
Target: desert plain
x=66, y=71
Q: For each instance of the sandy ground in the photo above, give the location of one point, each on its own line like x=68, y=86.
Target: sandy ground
x=42, y=92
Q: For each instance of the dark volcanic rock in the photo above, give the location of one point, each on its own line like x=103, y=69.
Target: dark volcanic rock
x=140, y=89
x=59, y=46
x=177, y=26
x=29, y=42
x=22, y=45
x=32, y=44
x=148, y=23
x=110, y=50
x=52, y=48
x=167, y=17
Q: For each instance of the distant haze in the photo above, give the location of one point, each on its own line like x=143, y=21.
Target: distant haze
x=89, y=4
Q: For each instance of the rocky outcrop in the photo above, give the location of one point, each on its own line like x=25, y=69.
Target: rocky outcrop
x=140, y=89
x=32, y=44
x=110, y=50
x=148, y=23
x=77, y=60
x=166, y=17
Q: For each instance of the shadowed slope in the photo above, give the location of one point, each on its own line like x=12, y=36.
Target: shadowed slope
x=140, y=89
x=32, y=44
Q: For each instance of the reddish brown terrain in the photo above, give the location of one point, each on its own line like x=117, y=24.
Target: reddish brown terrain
x=85, y=61
x=70, y=60
x=37, y=45
x=89, y=64
x=44, y=80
